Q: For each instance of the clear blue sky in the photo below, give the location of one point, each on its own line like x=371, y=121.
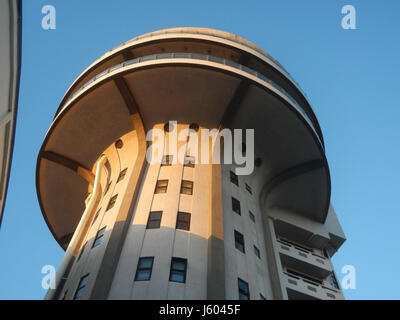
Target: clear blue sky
x=350, y=76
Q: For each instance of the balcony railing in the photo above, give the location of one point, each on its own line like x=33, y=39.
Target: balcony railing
x=303, y=252
x=311, y=288
x=198, y=56
x=254, y=47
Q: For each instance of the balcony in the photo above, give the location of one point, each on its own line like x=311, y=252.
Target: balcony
x=303, y=260
x=299, y=288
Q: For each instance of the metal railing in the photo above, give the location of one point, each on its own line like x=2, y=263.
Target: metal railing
x=198, y=56
x=244, y=43
x=317, y=289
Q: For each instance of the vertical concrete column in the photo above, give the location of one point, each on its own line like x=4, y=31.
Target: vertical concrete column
x=111, y=256
x=216, y=258
x=274, y=262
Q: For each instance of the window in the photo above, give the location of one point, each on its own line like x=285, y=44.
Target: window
x=234, y=178
x=99, y=237
x=189, y=162
x=95, y=216
x=167, y=161
x=252, y=217
x=183, y=221
x=121, y=175
x=154, y=220
x=236, y=206
x=81, y=286
x=239, y=241
x=244, y=293
x=161, y=186
x=108, y=187
x=144, y=268
x=112, y=202
x=80, y=253
x=187, y=187
x=262, y=297
x=333, y=281
x=178, y=270
x=248, y=188
x=257, y=252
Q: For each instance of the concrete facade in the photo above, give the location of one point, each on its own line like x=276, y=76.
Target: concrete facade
x=277, y=246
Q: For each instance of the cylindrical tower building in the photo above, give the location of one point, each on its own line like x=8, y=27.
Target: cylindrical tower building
x=169, y=229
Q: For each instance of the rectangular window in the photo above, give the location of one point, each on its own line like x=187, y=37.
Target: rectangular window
x=262, y=297
x=95, y=216
x=333, y=281
x=257, y=252
x=121, y=175
x=236, y=206
x=189, y=162
x=144, y=268
x=167, y=161
x=252, y=217
x=99, y=237
x=187, y=187
x=154, y=220
x=112, y=201
x=81, y=286
x=161, y=186
x=234, y=178
x=248, y=188
x=244, y=293
x=183, y=221
x=108, y=187
x=239, y=241
x=178, y=270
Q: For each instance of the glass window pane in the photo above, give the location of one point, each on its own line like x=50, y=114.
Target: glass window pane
x=97, y=241
x=214, y=59
x=155, y=215
x=198, y=56
x=143, y=275
x=154, y=220
x=177, y=276
x=234, y=178
x=153, y=225
x=179, y=265
x=101, y=231
x=162, y=183
x=84, y=281
x=146, y=263
x=78, y=293
x=181, y=55
x=243, y=286
x=178, y=270
x=183, y=221
x=243, y=296
x=236, y=206
x=232, y=64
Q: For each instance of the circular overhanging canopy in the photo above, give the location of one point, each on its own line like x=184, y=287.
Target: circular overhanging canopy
x=186, y=90
x=220, y=43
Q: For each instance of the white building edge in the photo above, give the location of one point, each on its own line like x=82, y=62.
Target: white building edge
x=10, y=63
